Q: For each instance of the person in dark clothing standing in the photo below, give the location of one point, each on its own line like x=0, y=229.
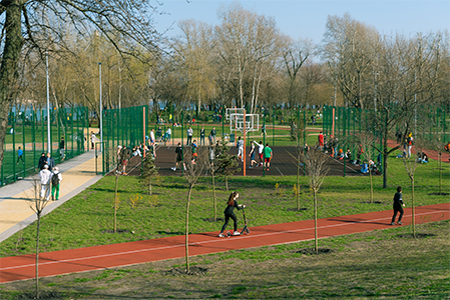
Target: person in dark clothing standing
x=62, y=145
x=42, y=161
x=398, y=203
x=202, y=136
x=232, y=203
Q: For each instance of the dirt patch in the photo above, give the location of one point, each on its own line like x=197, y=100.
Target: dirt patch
x=312, y=251
x=42, y=295
x=418, y=235
x=170, y=232
x=192, y=271
x=297, y=209
x=117, y=231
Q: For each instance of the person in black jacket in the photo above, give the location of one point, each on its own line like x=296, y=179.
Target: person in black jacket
x=231, y=204
x=42, y=161
x=398, y=203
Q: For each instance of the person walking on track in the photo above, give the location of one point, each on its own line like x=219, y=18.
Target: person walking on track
x=398, y=203
x=229, y=213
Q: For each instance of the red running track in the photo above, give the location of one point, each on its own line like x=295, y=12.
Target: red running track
x=101, y=257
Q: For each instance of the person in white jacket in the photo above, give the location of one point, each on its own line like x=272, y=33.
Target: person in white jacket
x=260, y=151
x=56, y=180
x=45, y=175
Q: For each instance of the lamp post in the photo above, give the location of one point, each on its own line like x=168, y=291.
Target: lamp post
x=101, y=105
x=49, y=142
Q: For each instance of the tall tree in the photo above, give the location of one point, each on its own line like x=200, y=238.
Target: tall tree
x=317, y=171
x=248, y=44
x=295, y=54
x=32, y=27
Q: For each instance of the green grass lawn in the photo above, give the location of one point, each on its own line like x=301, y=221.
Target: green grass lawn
x=84, y=220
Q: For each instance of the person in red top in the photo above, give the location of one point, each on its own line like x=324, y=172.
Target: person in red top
x=321, y=143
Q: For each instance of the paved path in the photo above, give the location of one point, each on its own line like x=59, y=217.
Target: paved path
x=15, y=213
x=117, y=255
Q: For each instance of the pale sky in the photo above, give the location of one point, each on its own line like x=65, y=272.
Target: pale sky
x=307, y=18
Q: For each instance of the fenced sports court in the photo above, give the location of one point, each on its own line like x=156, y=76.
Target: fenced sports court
x=29, y=130
x=278, y=127
x=132, y=126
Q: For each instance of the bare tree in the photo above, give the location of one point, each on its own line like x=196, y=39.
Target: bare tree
x=195, y=51
x=365, y=142
x=297, y=132
x=213, y=168
x=410, y=162
x=248, y=45
x=191, y=174
x=149, y=172
x=294, y=56
x=317, y=170
x=37, y=204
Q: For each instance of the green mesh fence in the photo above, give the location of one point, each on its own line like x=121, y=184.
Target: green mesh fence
x=428, y=125
x=28, y=130
x=124, y=127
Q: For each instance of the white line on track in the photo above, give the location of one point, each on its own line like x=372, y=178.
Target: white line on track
x=211, y=241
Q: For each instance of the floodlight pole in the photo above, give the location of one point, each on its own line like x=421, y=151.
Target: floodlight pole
x=101, y=105
x=49, y=143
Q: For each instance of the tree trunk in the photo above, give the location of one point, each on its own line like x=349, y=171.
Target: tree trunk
x=37, y=252
x=149, y=188
x=298, y=178
x=413, y=209
x=214, y=196
x=440, y=173
x=115, y=204
x=316, y=238
x=188, y=202
x=9, y=65
x=226, y=183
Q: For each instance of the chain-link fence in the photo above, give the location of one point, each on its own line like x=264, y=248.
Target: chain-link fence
x=28, y=137
x=427, y=125
x=126, y=127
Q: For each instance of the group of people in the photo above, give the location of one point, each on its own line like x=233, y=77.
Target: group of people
x=265, y=155
x=49, y=176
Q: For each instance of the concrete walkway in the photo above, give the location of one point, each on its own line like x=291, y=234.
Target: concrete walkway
x=15, y=199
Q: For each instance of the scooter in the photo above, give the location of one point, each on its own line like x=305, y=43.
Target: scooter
x=245, y=230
